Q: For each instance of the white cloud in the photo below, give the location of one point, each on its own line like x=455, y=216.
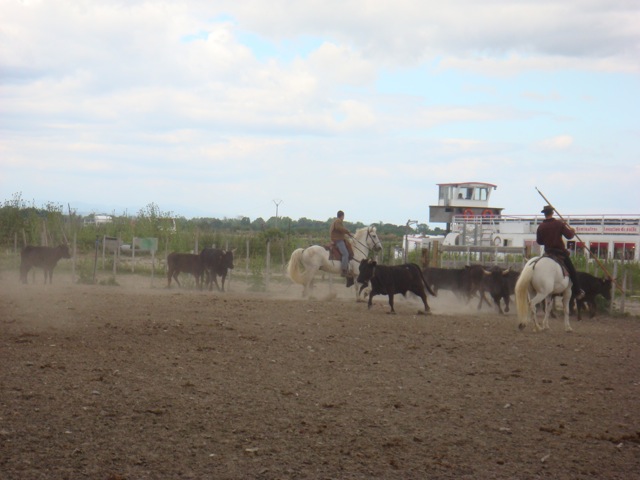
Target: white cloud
x=188, y=95
x=408, y=31
x=560, y=142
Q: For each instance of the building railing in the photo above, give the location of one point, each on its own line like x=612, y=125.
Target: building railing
x=571, y=219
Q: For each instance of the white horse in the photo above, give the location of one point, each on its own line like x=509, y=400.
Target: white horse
x=541, y=279
x=306, y=262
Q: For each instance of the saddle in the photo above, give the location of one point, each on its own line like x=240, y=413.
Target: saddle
x=556, y=258
x=334, y=253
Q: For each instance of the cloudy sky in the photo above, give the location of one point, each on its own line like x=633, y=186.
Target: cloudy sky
x=225, y=108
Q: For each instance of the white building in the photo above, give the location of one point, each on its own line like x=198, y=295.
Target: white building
x=98, y=219
x=471, y=221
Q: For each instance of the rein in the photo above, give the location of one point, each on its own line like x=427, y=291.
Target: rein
x=357, y=242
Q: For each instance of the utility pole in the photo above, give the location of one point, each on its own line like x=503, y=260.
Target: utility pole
x=277, y=202
x=406, y=237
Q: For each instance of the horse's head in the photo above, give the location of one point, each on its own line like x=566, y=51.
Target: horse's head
x=373, y=242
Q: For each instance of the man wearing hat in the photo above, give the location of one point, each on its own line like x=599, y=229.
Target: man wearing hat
x=338, y=233
x=549, y=234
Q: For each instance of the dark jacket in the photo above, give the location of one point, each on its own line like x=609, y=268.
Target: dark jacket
x=550, y=233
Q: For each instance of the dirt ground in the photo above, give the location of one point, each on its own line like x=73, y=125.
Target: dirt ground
x=139, y=382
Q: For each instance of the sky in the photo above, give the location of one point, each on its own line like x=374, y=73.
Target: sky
x=232, y=109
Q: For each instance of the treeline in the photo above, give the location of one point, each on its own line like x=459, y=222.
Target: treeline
x=22, y=224
x=302, y=226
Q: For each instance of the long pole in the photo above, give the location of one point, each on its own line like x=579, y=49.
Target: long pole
x=580, y=240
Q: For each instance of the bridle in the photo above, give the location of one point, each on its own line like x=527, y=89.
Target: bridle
x=356, y=242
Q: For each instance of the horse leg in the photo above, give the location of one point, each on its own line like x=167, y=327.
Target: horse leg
x=566, y=298
x=548, y=304
x=534, y=317
x=308, y=281
x=537, y=298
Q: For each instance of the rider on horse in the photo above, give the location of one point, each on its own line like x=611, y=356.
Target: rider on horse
x=339, y=233
x=549, y=234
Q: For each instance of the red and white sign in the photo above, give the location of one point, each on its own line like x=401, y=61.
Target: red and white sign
x=612, y=229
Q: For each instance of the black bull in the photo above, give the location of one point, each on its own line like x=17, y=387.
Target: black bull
x=500, y=283
x=474, y=280
x=592, y=286
x=444, y=279
x=391, y=280
x=41, y=257
x=216, y=262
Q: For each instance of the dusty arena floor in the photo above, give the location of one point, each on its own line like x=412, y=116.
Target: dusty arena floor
x=140, y=382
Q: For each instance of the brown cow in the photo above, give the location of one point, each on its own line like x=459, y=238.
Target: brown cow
x=43, y=257
x=184, y=262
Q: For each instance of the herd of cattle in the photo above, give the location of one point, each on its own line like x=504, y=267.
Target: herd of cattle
x=472, y=281
x=205, y=267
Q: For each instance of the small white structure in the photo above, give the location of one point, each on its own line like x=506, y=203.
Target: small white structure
x=98, y=219
x=467, y=199
x=414, y=243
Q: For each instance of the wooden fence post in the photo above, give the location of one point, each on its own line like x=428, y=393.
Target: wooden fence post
x=268, y=266
x=115, y=257
x=104, y=246
x=247, y=259
x=624, y=291
x=613, y=288
x=73, y=258
x=95, y=260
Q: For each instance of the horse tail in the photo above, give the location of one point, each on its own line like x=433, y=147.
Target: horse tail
x=522, y=295
x=294, y=267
